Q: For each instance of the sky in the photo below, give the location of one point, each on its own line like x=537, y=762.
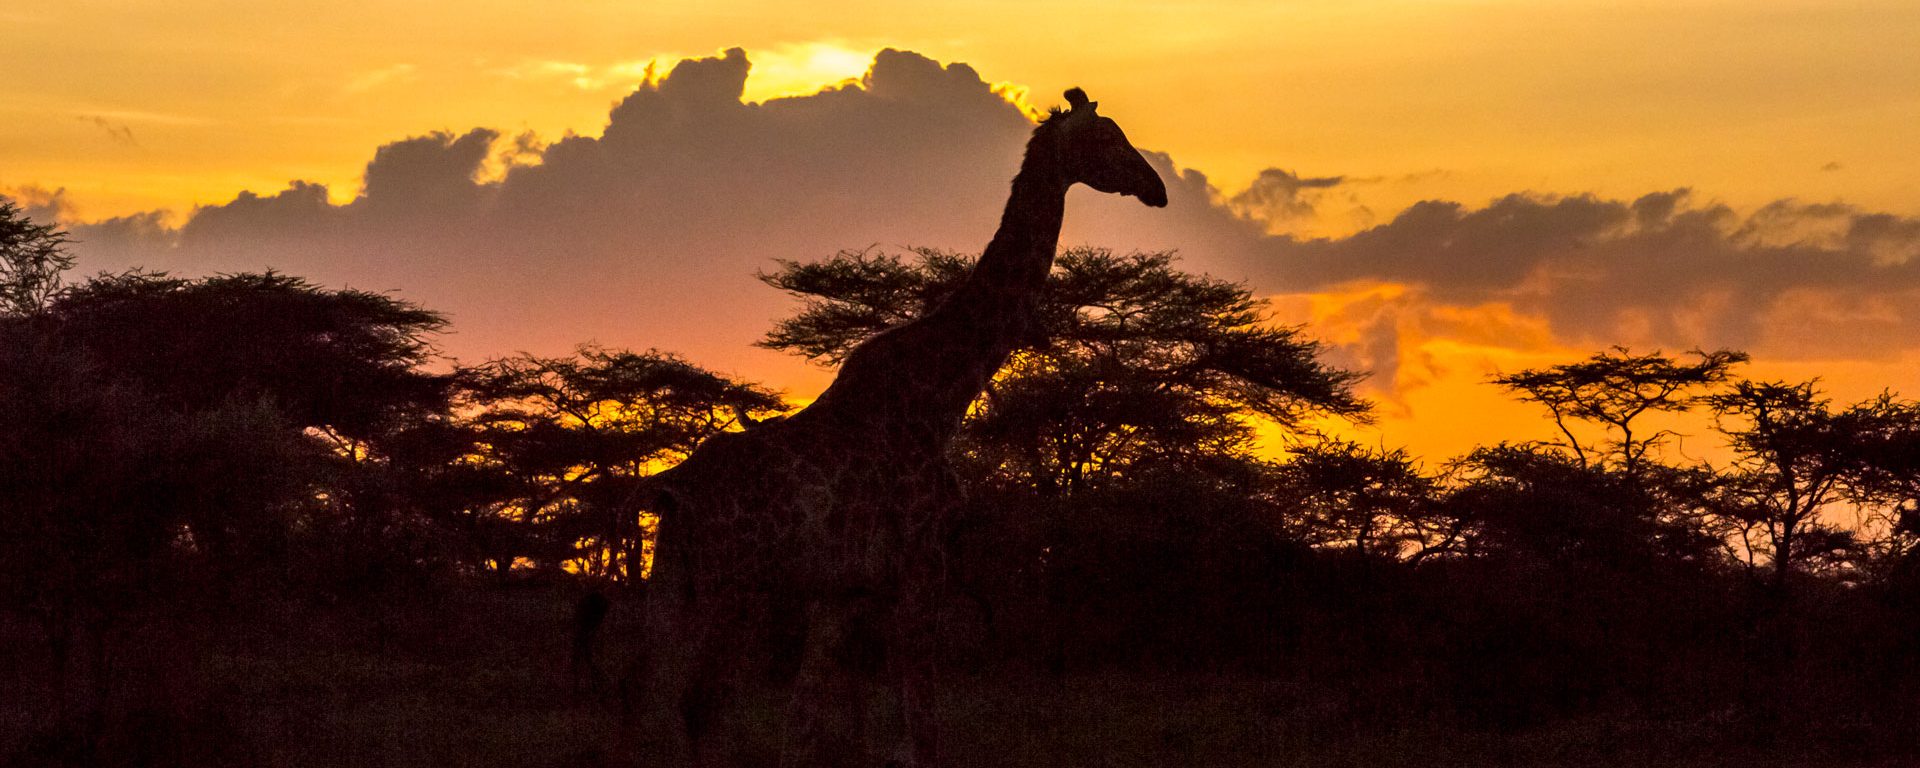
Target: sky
x=1438, y=189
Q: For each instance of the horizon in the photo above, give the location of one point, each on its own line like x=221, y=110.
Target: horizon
x=1393, y=382
x=1405, y=246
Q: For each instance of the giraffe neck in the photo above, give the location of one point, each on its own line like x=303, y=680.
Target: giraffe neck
x=1013, y=268
x=919, y=378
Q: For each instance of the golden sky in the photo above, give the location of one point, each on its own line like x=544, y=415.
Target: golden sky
x=141, y=106
x=1749, y=99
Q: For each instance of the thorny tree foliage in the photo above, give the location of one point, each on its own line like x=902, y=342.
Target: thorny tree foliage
x=33, y=259
x=345, y=361
x=159, y=449
x=1798, y=457
x=1614, y=389
x=1375, y=501
x=1800, y=463
x=564, y=437
x=1135, y=363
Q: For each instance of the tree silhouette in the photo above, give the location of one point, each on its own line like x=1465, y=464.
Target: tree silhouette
x=1797, y=457
x=180, y=457
x=1136, y=363
x=1546, y=506
x=163, y=441
x=1616, y=388
x=33, y=260
x=565, y=437
x=344, y=361
x=1341, y=494
x=118, y=506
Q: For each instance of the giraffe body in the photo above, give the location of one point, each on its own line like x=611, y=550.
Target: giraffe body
x=824, y=533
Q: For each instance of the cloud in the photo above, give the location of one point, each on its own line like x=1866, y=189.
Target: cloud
x=649, y=233
x=646, y=235
x=41, y=204
x=1792, y=280
x=1277, y=196
x=436, y=172
x=119, y=133
x=138, y=116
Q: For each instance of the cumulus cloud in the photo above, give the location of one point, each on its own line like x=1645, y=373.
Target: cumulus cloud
x=42, y=204
x=649, y=233
x=1788, y=280
x=1277, y=196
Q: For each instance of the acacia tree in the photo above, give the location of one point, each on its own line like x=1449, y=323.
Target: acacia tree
x=1612, y=499
x=563, y=439
x=1614, y=389
x=343, y=367
x=346, y=362
x=1797, y=458
x=158, y=444
x=1375, y=502
x=1887, y=494
x=1546, y=506
x=116, y=508
x=1133, y=364
x=33, y=261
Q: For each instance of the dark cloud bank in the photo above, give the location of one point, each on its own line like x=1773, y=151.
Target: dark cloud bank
x=649, y=234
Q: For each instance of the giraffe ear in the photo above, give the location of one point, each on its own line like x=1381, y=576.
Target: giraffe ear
x=1077, y=99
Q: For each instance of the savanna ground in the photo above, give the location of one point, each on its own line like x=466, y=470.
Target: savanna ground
x=480, y=677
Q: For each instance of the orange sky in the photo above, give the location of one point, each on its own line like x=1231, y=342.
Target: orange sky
x=1748, y=99
x=132, y=107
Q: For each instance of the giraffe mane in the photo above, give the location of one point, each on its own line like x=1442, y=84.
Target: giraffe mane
x=1044, y=133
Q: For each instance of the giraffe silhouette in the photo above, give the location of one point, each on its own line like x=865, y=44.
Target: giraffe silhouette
x=823, y=533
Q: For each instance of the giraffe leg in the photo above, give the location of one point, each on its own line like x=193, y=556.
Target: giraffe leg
x=826, y=716
x=691, y=696
x=913, y=623
x=659, y=679
x=912, y=683
x=687, y=670
x=705, y=708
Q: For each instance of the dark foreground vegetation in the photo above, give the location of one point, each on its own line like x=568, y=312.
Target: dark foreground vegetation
x=246, y=520
x=479, y=677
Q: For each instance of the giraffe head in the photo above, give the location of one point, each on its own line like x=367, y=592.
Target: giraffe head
x=1095, y=152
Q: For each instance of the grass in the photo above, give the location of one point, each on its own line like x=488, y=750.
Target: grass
x=480, y=679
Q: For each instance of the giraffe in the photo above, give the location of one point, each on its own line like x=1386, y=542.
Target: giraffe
x=823, y=531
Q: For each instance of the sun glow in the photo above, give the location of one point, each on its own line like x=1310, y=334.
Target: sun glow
x=800, y=69
x=779, y=71
x=786, y=69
